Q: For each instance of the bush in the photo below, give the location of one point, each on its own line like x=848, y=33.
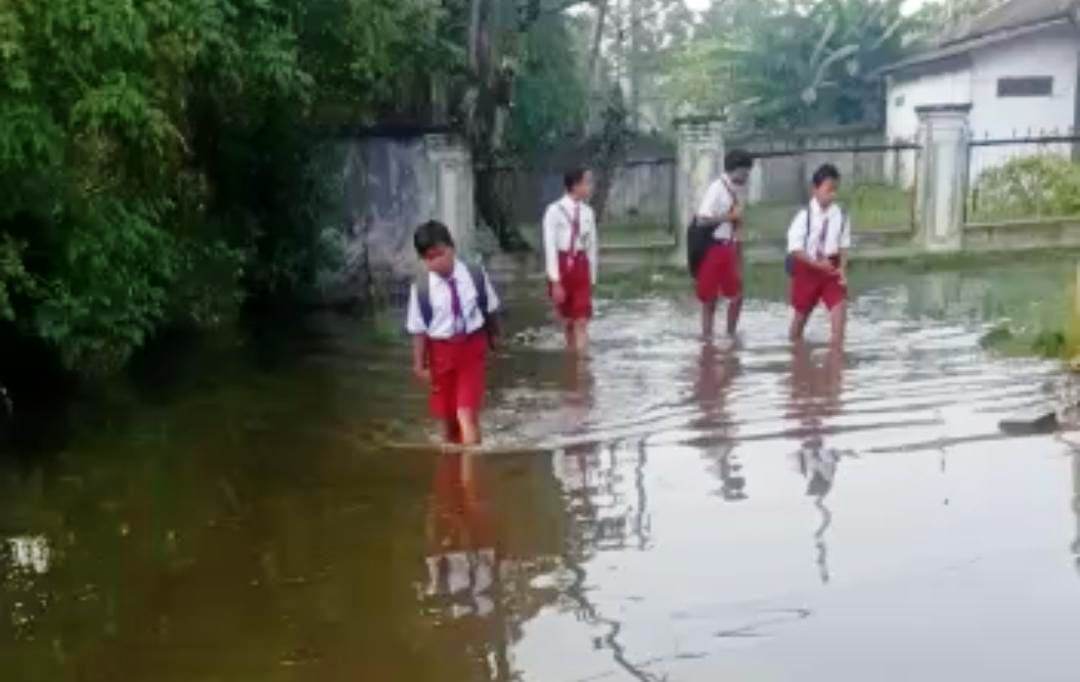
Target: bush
x=1042, y=185
x=156, y=159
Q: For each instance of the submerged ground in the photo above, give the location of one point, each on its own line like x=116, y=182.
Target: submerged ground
x=262, y=509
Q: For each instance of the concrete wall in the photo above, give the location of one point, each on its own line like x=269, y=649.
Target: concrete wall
x=1019, y=236
x=782, y=175
x=389, y=185
x=643, y=192
x=974, y=80
x=1052, y=53
x=904, y=95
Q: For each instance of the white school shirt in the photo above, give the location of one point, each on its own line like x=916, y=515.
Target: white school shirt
x=442, y=311
x=838, y=237
x=719, y=199
x=557, y=230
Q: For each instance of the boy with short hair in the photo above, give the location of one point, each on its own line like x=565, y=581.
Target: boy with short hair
x=818, y=242
x=571, y=251
x=449, y=318
x=716, y=260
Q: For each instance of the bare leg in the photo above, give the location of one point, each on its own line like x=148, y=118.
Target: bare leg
x=581, y=335
x=470, y=427
x=708, y=319
x=452, y=429
x=734, y=311
x=568, y=330
x=798, y=325
x=838, y=322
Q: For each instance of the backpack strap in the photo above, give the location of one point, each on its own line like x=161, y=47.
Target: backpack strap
x=491, y=322
x=806, y=237
x=423, y=294
x=423, y=298
x=479, y=280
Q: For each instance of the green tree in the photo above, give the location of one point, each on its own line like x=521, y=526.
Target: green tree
x=156, y=155
x=775, y=62
x=549, y=101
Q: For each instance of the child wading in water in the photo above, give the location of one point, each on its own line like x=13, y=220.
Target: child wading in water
x=570, y=255
x=715, y=252
x=449, y=317
x=818, y=243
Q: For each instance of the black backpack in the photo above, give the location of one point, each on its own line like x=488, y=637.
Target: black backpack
x=699, y=237
x=479, y=280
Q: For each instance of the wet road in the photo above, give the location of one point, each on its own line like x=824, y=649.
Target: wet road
x=664, y=511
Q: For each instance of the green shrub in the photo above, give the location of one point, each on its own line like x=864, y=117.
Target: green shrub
x=1027, y=187
x=157, y=159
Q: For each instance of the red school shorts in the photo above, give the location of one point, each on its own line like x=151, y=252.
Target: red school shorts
x=720, y=273
x=575, y=275
x=457, y=373
x=810, y=286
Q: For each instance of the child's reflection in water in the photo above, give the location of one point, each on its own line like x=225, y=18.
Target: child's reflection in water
x=463, y=556
x=816, y=391
x=714, y=374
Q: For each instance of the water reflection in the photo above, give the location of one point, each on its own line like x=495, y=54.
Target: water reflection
x=714, y=373
x=1076, y=505
x=462, y=558
x=30, y=553
x=602, y=518
x=816, y=390
x=493, y=526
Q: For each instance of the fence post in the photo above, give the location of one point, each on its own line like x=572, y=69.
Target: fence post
x=942, y=180
x=451, y=162
x=700, y=153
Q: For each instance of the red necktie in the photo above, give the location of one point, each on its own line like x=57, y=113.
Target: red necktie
x=575, y=229
x=455, y=306
x=824, y=236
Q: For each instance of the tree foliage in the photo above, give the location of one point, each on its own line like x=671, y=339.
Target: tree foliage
x=784, y=62
x=549, y=100
x=155, y=154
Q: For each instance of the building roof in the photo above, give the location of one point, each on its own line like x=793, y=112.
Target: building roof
x=1004, y=21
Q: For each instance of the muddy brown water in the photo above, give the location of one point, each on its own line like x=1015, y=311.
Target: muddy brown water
x=664, y=511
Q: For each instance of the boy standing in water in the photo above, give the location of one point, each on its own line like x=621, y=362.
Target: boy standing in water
x=448, y=317
x=818, y=243
x=570, y=255
x=719, y=272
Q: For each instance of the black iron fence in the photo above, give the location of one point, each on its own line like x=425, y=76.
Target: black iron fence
x=1030, y=175
x=878, y=188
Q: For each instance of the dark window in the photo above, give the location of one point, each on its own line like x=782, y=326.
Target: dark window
x=900, y=99
x=1033, y=86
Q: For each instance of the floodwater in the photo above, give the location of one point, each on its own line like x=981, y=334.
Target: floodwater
x=259, y=509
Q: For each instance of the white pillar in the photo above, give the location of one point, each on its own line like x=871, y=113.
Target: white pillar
x=700, y=155
x=944, y=135
x=451, y=163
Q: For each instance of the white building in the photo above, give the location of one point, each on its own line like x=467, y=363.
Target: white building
x=1017, y=65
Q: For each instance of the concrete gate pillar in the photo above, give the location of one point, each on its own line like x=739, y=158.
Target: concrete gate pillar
x=944, y=134
x=700, y=154
x=451, y=162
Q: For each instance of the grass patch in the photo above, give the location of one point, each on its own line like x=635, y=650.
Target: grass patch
x=871, y=207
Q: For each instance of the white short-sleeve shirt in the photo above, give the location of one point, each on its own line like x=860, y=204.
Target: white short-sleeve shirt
x=829, y=231
x=443, y=325
x=719, y=199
